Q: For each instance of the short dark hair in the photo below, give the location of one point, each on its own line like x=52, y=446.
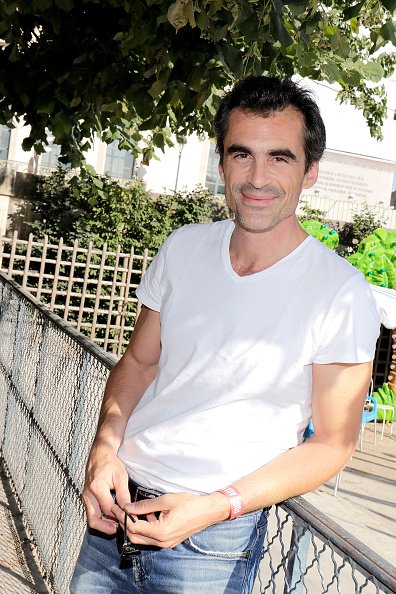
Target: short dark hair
x=265, y=95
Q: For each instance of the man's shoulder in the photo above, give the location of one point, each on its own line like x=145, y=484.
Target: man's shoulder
x=331, y=263
x=196, y=231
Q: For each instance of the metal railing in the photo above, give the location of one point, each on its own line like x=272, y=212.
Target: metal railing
x=343, y=211
x=51, y=385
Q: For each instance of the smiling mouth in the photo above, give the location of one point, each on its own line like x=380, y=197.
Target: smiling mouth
x=259, y=199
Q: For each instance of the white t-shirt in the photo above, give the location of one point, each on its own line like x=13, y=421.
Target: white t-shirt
x=233, y=388
x=386, y=304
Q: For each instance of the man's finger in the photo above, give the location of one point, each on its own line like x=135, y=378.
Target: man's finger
x=95, y=515
x=149, y=506
x=122, y=495
x=101, y=491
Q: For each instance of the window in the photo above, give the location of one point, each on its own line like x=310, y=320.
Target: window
x=51, y=155
x=5, y=133
x=213, y=182
x=119, y=163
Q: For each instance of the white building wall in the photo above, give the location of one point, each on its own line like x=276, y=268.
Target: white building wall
x=15, y=150
x=163, y=176
x=343, y=176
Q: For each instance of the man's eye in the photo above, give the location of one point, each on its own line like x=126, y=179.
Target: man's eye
x=241, y=155
x=280, y=159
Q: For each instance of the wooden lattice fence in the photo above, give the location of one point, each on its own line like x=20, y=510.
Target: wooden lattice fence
x=93, y=289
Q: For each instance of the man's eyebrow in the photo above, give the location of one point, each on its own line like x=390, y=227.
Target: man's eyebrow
x=283, y=153
x=238, y=148
x=280, y=152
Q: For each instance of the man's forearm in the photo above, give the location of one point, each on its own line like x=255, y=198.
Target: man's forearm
x=129, y=379
x=293, y=473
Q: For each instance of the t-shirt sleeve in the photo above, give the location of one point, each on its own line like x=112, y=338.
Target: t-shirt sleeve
x=386, y=305
x=150, y=290
x=351, y=327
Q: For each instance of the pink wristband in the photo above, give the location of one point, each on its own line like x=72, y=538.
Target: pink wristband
x=235, y=500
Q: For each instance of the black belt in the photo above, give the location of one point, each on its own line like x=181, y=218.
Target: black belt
x=126, y=548
x=138, y=492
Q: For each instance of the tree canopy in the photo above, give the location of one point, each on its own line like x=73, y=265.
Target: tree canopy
x=126, y=68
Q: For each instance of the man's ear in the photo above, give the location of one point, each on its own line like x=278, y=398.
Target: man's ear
x=221, y=170
x=311, y=176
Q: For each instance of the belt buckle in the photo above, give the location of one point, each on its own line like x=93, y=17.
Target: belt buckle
x=128, y=549
x=145, y=493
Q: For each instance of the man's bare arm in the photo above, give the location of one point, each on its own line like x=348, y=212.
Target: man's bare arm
x=126, y=384
x=338, y=395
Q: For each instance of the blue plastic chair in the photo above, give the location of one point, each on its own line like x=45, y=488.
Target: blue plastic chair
x=369, y=414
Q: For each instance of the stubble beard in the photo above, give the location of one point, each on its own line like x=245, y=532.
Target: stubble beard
x=256, y=220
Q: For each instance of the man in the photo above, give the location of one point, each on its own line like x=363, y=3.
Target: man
x=250, y=327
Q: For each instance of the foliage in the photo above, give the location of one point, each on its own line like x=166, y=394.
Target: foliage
x=55, y=208
x=362, y=225
x=121, y=68
x=98, y=209
x=310, y=214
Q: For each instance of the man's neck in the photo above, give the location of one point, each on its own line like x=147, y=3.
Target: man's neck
x=253, y=252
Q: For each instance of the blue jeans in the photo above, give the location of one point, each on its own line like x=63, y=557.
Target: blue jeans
x=222, y=559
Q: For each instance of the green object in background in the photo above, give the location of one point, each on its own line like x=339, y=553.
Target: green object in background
x=322, y=232
x=386, y=396
x=376, y=258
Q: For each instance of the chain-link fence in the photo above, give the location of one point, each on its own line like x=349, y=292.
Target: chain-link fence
x=51, y=385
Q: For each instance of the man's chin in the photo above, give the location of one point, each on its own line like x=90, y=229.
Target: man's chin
x=255, y=226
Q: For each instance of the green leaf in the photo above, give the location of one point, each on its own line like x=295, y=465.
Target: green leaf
x=75, y=102
x=389, y=4
x=297, y=7
x=353, y=11
x=279, y=30
x=61, y=124
x=189, y=13
x=66, y=5
x=340, y=44
x=10, y=8
x=278, y=6
x=372, y=71
x=219, y=34
x=233, y=59
x=176, y=15
x=332, y=71
x=388, y=31
x=14, y=55
x=27, y=144
x=90, y=169
x=354, y=23
x=215, y=6
x=156, y=89
x=42, y=4
x=45, y=107
x=250, y=28
x=202, y=20
x=97, y=182
x=80, y=59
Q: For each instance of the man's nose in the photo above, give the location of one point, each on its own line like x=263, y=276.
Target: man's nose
x=258, y=174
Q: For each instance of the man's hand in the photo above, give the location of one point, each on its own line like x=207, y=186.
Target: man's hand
x=180, y=516
x=104, y=473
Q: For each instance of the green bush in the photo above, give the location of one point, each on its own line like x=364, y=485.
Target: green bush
x=351, y=234
x=98, y=209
